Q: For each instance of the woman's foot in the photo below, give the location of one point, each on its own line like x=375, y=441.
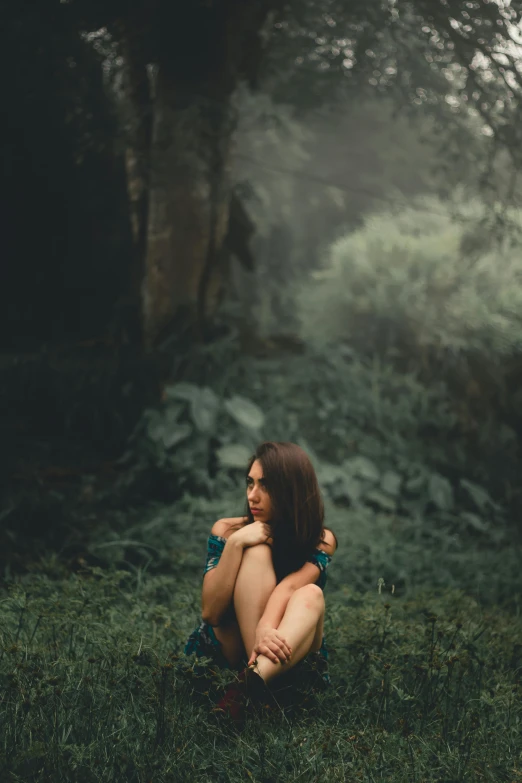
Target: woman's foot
x=250, y=690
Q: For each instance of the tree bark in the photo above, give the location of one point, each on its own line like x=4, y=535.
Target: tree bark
x=139, y=127
x=190, y=175
x=189, y=198
x=137, y=122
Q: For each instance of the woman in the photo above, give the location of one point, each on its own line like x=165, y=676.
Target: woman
x=262, y=599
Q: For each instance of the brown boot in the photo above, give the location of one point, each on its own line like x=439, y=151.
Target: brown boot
x=249, y=690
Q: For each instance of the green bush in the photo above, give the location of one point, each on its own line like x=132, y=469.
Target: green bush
x=181, y=445
x=382, y=441
x=418, y=534
x=415, y=278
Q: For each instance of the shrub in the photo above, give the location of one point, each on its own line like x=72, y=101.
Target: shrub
x=193, y=436
x=413, y=279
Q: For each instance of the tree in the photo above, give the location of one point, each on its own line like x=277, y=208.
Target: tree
x=179, y=153
x=65, y=222
x=199, y=52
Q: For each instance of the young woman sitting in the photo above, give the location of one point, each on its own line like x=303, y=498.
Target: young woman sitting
x=262, y=600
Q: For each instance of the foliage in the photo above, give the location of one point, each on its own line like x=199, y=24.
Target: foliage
x=346, y=409
x=85, y=393
x=316, y=52
x=192, y=436
x=94, y=687
x=434, y=299
x=424, y=51
x=304, y=181
x=383, y=443
x=404, y=282
x=432, y=552
x=398, y=480
x=410, y=540
x=271, y=160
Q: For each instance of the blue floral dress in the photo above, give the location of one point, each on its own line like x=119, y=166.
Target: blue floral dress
x=203, y=641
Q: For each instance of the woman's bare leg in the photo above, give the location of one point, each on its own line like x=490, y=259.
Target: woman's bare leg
x=231, y=642
x=255, y=583
x=302, y=626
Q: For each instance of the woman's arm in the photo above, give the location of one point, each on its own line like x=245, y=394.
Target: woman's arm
x=219, y=582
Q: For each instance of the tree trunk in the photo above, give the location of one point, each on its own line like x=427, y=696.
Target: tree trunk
x=190, y=175
x=138, y=131
x=137, y=91
x=189, y=198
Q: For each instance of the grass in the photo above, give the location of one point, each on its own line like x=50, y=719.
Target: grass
x=95, y=688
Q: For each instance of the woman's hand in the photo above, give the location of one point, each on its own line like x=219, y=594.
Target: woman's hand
x=253, y=534
x=270, y=643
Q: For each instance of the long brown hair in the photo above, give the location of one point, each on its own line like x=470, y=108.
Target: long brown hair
x=297, y=520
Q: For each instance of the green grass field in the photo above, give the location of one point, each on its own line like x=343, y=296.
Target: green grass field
x=425, y=680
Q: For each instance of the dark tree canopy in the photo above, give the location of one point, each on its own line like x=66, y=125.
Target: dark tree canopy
x=420, y=49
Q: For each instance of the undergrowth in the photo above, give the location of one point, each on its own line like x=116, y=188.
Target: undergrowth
x=102, y=564
x=94, y=688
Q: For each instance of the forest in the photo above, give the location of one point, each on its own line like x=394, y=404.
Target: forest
x=228, y=223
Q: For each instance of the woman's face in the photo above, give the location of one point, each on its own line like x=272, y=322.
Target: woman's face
x=257, y=495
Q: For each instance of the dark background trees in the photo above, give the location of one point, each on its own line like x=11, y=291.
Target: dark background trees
x=173, y=176
x=66, y=224
x=149, y=90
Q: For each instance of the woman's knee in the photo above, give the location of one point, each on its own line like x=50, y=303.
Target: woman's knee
x=258, y=560
x=259, y=552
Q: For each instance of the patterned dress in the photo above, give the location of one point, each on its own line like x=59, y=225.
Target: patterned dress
x=203, y=641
